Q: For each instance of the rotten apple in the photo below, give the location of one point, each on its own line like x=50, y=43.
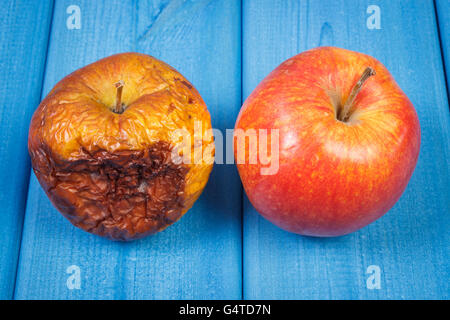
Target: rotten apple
x=102, y=146
x=349, y=140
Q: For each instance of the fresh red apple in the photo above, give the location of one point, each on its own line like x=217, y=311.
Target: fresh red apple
x=102, y=145
x=349, y=140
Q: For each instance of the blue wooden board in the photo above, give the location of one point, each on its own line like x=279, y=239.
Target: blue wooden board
x=209, y=253
x=443, y=15
x=23, y=48
x=200, y=256
x=409, y=246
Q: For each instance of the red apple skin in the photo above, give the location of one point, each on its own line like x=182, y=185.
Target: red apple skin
x=334, y=177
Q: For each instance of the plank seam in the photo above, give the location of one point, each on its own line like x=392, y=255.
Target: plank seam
x=438, y=27
x=242, y=188
x=29, y=173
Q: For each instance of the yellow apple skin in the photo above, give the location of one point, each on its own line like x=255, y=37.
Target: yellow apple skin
x=112, y=174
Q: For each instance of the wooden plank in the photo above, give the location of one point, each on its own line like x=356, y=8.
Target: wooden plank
x=443, y=14
x=410, y=244
x=198, y=257
x=23, y=40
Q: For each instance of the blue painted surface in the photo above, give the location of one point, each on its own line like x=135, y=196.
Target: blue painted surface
x=410, y=244
x=23, y=48
x=200, y=256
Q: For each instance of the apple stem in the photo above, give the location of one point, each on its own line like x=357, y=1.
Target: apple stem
x=345, y=113
x=119, y=86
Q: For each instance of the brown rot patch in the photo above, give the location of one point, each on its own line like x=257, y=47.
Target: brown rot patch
x=188, y=85
x=170, y=108
x=123, y=195
x=184, y=82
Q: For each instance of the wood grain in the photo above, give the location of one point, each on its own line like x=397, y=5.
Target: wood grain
x=200, y=256
x=23, y=49
x=410, y=244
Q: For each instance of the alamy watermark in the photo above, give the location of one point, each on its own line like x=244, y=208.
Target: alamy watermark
x=374, y=279
x=74, y=19
x=373, y=22
x=73, y=281
x=252, y=146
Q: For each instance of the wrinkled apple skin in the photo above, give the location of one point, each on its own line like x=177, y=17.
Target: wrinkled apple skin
x=112, y=174
x=334, y=177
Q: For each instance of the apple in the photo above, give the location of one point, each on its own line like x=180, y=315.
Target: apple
x=102, y=146
x=348, y=142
